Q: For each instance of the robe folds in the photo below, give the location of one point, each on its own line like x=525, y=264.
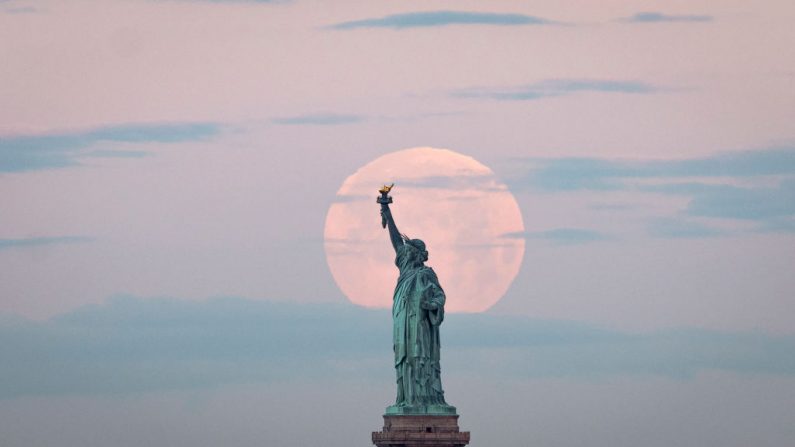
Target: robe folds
x=417, y=312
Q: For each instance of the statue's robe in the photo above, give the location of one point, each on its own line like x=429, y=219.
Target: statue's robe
x=417, y=312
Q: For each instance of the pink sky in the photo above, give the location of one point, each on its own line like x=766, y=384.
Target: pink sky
x=196, y=217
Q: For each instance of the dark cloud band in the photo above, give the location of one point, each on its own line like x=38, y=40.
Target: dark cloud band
x=428, y=19
x=133, y=345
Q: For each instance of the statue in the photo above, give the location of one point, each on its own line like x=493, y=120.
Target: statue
x=417, y=312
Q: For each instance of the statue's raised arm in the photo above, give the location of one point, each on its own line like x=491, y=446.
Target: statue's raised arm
x=387, y=221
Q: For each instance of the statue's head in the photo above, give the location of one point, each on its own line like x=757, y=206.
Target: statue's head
x=417, y=250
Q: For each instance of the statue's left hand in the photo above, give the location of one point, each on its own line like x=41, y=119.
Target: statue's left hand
x=429, y=305
x=428, y=300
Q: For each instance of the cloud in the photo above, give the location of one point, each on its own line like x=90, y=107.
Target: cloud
x=734, y=202
x=656, y=17
x=350, y=198
x=319, y=119
x=568, y=174
x=442, y=18
x=468, y=181
x=745, y=203
x=681, y=228
x=130, y=345
x=21, y=10
x=771, y=207
x=117, y=153
x=562, y=236
x=784, y=225
x=770, y=161
x=57, y=150
x=555, y=87
x=767, y=194
x=7, y=244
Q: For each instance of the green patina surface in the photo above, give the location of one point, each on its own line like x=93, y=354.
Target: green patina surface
x=394, y=410
x=417, y=313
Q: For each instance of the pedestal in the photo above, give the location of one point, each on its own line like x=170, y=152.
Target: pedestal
x=420, y=431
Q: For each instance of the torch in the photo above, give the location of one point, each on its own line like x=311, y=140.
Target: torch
x=384, y=199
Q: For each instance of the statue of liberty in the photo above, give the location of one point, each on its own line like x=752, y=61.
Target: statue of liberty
x=417, y=312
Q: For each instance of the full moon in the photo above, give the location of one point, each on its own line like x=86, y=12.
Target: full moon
x=469, y=220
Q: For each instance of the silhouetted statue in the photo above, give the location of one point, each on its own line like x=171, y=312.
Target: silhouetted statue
x=417, y=312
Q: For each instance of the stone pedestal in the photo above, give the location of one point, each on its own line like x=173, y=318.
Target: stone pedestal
x=420, y=431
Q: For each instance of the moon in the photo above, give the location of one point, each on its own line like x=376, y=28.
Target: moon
x=469, y=220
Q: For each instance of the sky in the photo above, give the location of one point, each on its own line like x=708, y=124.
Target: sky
x=166, y=170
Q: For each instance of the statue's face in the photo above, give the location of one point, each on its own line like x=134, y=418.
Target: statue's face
x=418, y=244
x=418, y=251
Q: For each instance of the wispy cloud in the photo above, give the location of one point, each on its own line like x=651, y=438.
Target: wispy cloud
x=427, y=19
x=117, y=153
x=600, y=173
x=131, y=345
x=681, y=228
x=6, y=244
x=350, y=198
x=21, y=153
x=711, y=183
x=562, y=236
x=319, y=119
x=21, y=10
x=457, y=182
x=728, y=201
x=656, y=17
x=554, y=88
